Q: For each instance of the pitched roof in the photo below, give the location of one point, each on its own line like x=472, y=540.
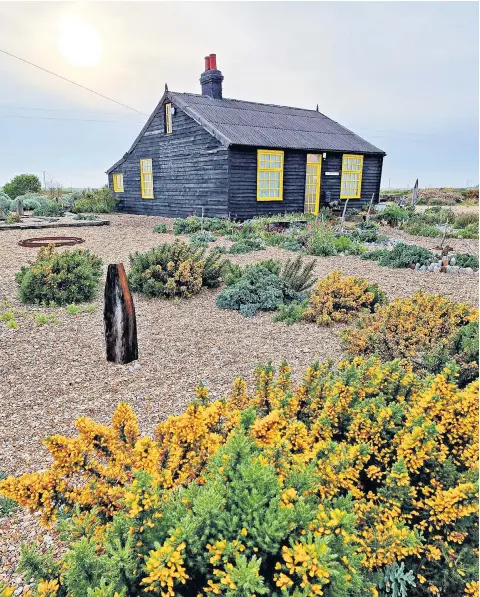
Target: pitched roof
x=236, y=122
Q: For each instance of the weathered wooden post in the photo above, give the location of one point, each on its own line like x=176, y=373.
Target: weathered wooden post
x=370, y=207
x=119, y=317
x=20, y=206
x=343, y=215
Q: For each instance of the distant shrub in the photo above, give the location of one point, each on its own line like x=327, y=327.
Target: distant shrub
x=89, y=218
x=408, y=328
x=194, y=224
x=421, y=229
x=402, y=255
x=466, y=260
x=95, y=201
x=470, y=231
x=5, y=203
x=367, y=232
x=13, y=218
x=60, y=278
x=470, y=194
x=31, y=201
x=347, y=246
x=22, y=184
x=49, y=210
x=203, y=236
x=161, y=228
x=247, y=245
x=174, y=269
x=337, y=299
x=464, y=220
x=395, y=215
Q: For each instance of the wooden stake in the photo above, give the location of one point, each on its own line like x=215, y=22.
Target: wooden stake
x=119, y=317
x=369, y=207
x=343, y=215
x=20, y=206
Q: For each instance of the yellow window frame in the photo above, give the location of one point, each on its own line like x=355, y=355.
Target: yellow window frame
x=269, y=162
x=146, y=178
x=168, y=119
x=352, y=172
x=118, y=183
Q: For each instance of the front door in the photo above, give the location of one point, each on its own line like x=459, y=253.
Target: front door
x=312, y=183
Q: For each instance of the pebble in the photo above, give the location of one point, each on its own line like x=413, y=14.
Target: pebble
x=135, y=367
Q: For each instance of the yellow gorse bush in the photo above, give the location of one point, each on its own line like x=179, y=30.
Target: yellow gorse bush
x=385, y=460
x=337, y=299
x=408, y=327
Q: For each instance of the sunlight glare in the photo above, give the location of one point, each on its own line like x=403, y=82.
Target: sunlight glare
x=79, y=42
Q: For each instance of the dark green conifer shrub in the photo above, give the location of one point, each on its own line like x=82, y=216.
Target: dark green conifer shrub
x=161, y=228
x=60, y=278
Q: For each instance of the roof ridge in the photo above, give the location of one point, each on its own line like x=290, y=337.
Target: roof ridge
x=232, y=99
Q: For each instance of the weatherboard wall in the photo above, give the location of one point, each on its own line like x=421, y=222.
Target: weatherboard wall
x=190, y=171
x=243, y=204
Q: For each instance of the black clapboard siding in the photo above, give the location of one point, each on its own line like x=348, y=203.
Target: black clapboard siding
x=330, y=186
x=243, y=202
x=190, y=171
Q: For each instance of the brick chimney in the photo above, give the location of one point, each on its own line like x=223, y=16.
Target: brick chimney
x=211, y=79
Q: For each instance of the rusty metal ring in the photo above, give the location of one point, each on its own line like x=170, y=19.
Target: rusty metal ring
x=57, y=241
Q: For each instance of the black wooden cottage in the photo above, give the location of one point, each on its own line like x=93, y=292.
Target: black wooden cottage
x=229, y=157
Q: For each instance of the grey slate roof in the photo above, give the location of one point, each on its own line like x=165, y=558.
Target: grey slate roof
x=236, y=122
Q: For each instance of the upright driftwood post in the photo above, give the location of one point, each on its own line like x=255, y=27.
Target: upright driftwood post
x=20, y=206
x=343, y=216
x=119, y=317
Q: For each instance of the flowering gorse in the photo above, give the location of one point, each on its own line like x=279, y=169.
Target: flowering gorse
x=319, y=489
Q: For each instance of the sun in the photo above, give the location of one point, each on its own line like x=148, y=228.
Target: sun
x=79, y=42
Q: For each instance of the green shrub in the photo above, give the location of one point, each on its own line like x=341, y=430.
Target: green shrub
x=95, y=201
x=174, y=269
x=88, y=218
x=464, y=220
x=402, y=255
x=60, y=278
x=31, y=201
x=247, y=245
x=466, y=260
x=194, y=224
x=292, y=312
x=395, y=215
x=321, y=241
x=344, y=244
x=298, y=274
x=22, y=184
x=367, y=232
x=436, y=215
x=161, y=228
x=13, y=218
x=7, y=506
x=421, y=229
x=49, y=210
x=258, y=289
x=470, y=231
x=5, y=203
x=203, y=236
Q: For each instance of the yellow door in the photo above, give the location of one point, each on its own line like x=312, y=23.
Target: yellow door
x=312, y=183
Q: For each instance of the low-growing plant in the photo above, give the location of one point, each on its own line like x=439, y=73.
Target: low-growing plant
x=337, y=299
x=247, y=245
x=395, y=215
x=298, y=274
x=12, y=324
x=368, y=232
x=45, y=318
x=409, y=328
x=464, y=220
x=5, y=204
x=49, y=210
x=203, y=236
x=402, y=255
x=161, y=228
x=259, y=288
x=291, y=313
x=31, y=201
x=73, y=309
x=466, y=260
x=347, y=246
x=174, y=269
x=321, y=241
x=194, y=224
x=13, y=218
x=7, y=506
x=60, y=278
x=421, y=229
x=87, y=217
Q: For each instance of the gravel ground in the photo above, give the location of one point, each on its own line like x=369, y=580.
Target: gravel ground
x=52, y=374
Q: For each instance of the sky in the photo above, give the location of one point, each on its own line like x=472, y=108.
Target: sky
x=403, y=75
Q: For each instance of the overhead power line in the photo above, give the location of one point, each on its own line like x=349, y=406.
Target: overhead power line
x=73, y=82
x=55, y=118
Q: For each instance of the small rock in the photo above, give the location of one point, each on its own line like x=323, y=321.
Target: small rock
x=436, y=269
x=135, y=367
x=431, y=267
x=468, y=270
x=417, y=267
x=453, y=261
x=423, y=268
x=449, y=269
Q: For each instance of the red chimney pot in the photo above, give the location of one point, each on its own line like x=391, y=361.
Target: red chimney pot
x=213, y=62
x=207, y=62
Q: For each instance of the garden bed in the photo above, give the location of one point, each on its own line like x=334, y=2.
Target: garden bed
x=30, y=222
x=56, y=372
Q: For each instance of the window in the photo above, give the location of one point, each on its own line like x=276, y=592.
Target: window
x=352, y=166
x=168, y=119
x=269, y=175
x=312, y=183
x=146, y=179
x=118, y=183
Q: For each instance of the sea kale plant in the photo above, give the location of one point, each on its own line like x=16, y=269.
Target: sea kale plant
x=358, y=481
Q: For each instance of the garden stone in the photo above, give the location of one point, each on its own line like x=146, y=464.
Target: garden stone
x=469, y=270
x=455, y=269
x=423, y=268
x=449, y=269
x=431, y=267
x=436, y=269
x=135, y=367
x=453, y=261
x=417, y=267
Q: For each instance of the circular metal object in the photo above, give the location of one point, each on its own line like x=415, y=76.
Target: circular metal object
x=57, y=241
